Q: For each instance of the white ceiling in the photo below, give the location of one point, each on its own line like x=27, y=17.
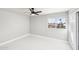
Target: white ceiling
x=51, y=10
x=47, y=10
x=44, y=10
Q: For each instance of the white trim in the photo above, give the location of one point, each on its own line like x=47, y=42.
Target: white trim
x=17, y=38
x=77, y=29
x=40, y=36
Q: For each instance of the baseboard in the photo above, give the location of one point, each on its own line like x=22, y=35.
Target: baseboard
x=40, y=36
x=17, y=38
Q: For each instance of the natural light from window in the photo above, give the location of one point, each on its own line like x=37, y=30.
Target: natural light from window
x=58, y=22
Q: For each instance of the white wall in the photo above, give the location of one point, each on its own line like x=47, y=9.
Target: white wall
x=12, y=24
x=39, y=25
x=72, y=27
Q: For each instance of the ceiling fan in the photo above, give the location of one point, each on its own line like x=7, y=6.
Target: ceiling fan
x=33, y=12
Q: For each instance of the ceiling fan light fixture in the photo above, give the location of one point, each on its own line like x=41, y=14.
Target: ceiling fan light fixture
x=32, y=14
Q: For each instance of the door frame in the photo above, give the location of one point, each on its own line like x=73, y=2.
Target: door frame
x=77, y=30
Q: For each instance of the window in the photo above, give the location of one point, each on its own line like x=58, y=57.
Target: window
x=57, y=23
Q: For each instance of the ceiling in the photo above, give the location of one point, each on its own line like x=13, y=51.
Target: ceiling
x=44, y=10
x=48, y=10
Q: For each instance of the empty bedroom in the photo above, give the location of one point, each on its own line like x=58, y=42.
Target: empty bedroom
x=38, y=29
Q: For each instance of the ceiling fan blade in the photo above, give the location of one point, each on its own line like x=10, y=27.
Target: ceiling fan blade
x=38, y=12
x=31, y=9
